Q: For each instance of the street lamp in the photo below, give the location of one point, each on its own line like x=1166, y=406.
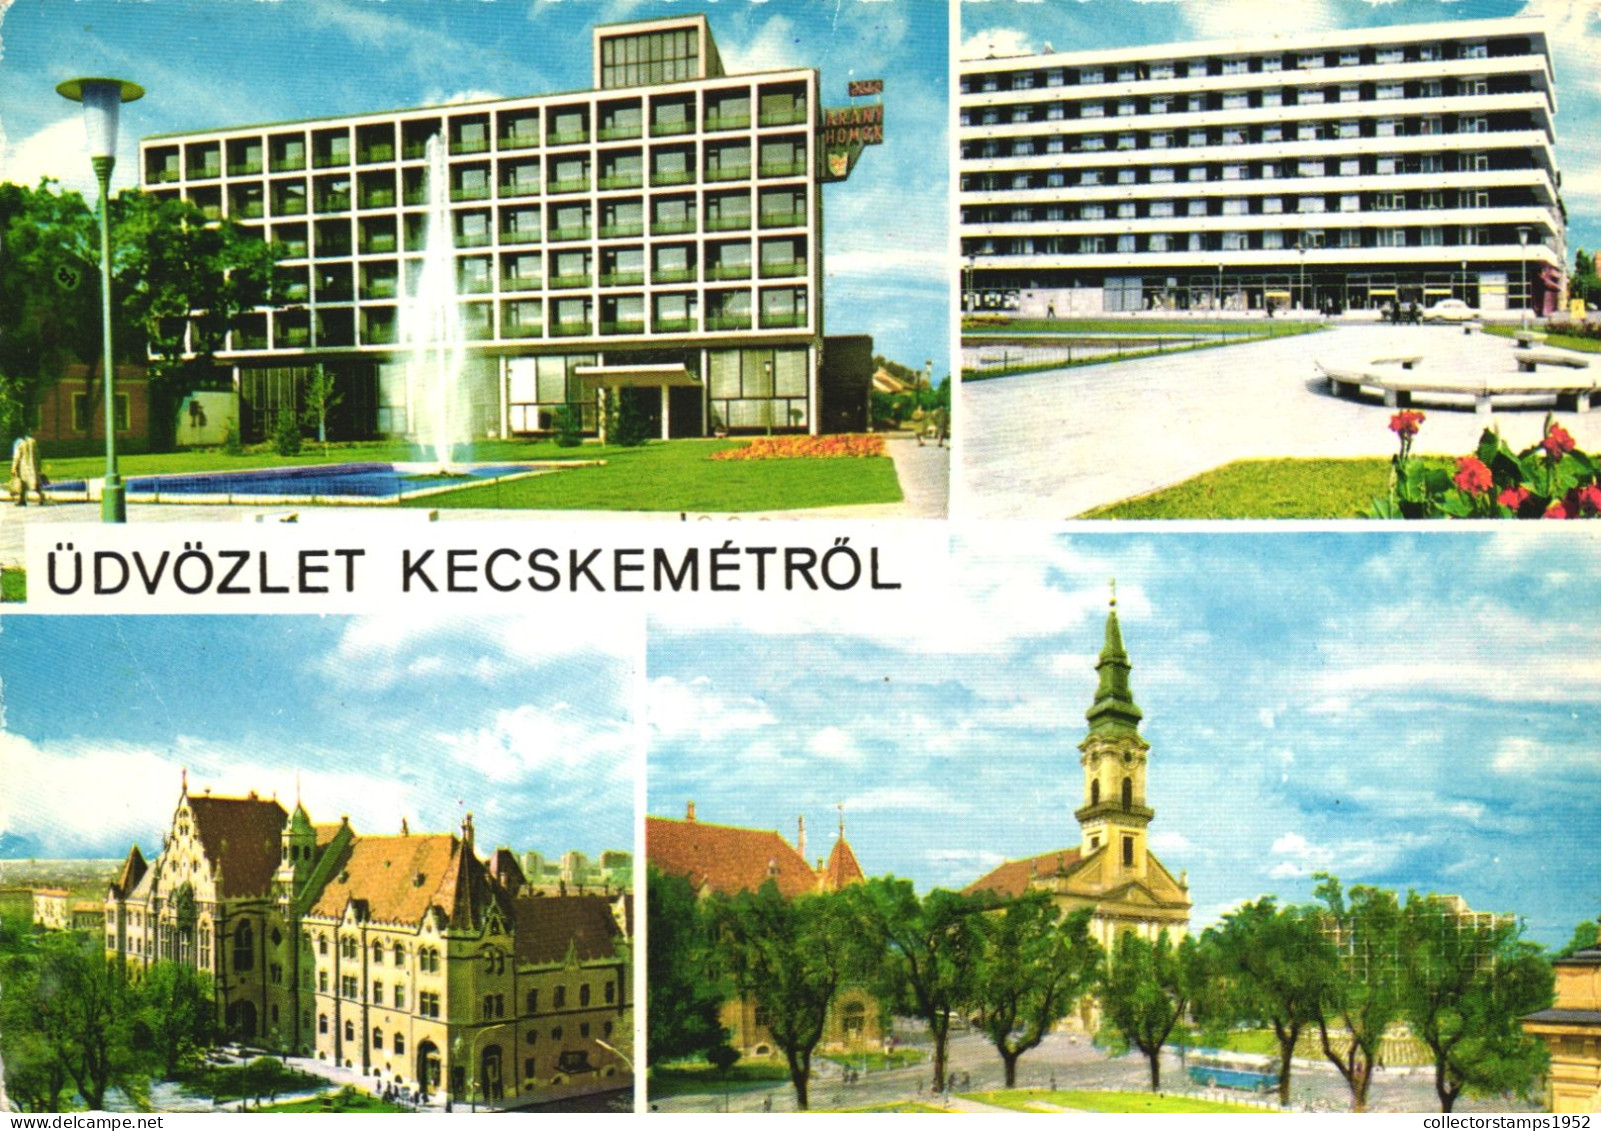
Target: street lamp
x=1523, y=258
x=1300, y=251
x=1464, y=280
x=969, y=299
x=1219, y=303
x=102, y=99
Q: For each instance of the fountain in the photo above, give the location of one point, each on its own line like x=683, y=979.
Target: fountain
x=430, y=333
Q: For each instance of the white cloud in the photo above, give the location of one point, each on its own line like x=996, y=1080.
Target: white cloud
x=833, y=744
x=907, y=798
x=997, y=43
x=59, y=151
x=695, y=710
x=527, y=740
x=1350, y=859
x=1516, y=755
x=773, y=48
x=1264, y=715
x=377, y=652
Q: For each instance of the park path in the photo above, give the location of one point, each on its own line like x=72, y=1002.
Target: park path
x=1054, y=445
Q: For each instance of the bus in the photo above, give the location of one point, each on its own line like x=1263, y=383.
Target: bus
x=1217, y=1068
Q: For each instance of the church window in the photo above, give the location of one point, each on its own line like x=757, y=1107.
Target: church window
x=350, y=1030
x=583, y=1030
x=322, y=1022
x=400, y=954
x=583, y=994
x=611, y=992
x=244, y=948
x=378, y=1038
x=378, y=953
x=555, y=1034
x=400, y=996
x=1128, y=850
x=322, y=944
x=1095, y=793
x=560, y=995
x=322, y=980
x=377, y=993
x=533, y=1001
x=1128, y=793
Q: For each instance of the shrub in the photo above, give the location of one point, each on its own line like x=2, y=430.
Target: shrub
x=232, y=442
x=630, y=428
x=569, y=423
x=286, y=434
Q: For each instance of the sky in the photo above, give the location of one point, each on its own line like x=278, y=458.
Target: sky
x=374, y=718
x=211, y=63
x=1419, y=711
x=1014, y=27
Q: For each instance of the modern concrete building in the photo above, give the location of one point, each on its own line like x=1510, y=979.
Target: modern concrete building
x=659, y=234
x=1330, y=170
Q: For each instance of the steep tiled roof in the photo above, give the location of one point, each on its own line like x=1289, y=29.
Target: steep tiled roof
x=843, y=869
x=242, y=834
x=133, y=870
x=504, y=867
x=726, y=859
x=547, y=925
x=401, y=877
x=1011, y=878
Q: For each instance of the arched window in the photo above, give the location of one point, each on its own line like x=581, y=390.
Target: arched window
x=378, y=953
x=244, y=947
x=1128, y=793
x=400, y=955
x=378, y=1038
x=322, y=1022
x=350, y=1030
x=400, y=1043
x=1095, y=792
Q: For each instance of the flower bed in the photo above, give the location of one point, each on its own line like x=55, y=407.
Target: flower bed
x=1551, y=479
x=852, y=446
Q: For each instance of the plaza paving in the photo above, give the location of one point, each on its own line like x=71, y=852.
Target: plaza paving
x=1054, y=445
x=924, y=474
x=1072, y=1062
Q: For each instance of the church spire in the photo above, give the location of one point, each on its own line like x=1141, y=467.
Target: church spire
x=1114, y=710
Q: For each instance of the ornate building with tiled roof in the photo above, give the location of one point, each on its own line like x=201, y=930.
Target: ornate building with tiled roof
x=1571, y=1029
x=406, y=958
x=1111, y=869
x=727, y=859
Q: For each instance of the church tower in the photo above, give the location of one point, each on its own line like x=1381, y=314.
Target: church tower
x=1114, y=816
x=298, y=855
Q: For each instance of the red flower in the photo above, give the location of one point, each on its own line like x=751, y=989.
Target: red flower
x=1558, y=442
x=1513, y=497
x=1405, y=422
x=1584, y=500
x=1472, y=476
x=1557, y=510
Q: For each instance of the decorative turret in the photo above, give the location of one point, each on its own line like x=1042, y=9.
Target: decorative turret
x=1114, y=815
x=298, y=855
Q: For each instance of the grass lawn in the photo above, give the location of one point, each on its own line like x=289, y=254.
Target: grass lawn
x=904, y=1105
x=342, y=1101
x=1264, y=327
x=13, y=585
x=1563, y=341
x=696, y=1078
x=681, y=476
x=1105, y=1101
x=878, y=1061
x=1252, y=1040
x=1264, y=488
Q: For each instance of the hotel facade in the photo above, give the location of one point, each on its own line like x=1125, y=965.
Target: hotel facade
x=1327, y=171
x=659, y=235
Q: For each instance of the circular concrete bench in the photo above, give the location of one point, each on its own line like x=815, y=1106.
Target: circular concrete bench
x=1573, y=394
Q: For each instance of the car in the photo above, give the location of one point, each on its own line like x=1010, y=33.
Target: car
x=1449, y=310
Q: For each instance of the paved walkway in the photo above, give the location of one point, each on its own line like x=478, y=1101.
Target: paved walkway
x=1054, y=445
x=924, y=475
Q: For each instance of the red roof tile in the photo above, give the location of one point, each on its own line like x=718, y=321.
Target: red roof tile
x=243, y=835
x=1011, y=878
x=133, y=870
x=401, y=877
x=726, y=859
x=843, y=868
x=547, y=925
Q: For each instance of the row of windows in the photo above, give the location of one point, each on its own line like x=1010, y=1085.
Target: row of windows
x=1267, y=134
x=1264, y=171
x=1427, y=200
x=508, y=130
x=1267, y=240
x=1307, y=60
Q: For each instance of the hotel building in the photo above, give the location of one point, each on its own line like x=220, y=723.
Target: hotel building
x=1328, y=171
x=659, y=235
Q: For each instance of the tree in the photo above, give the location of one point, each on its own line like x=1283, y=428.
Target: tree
x=1465, y=986
x=49, y=293
x=1034, y=964
x=789, y=956
x=176, y=1015
x=1585, y=283
x=321, y=398
x=1365, y=995
x=35, y=1068
x=178, y=271
x=924, y=952
x=1586, y=936
x=681, y=978
x=86, y=1008
x=1146, y=991
x=1274, y=965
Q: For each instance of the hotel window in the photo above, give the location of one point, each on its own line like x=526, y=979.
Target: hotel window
x=1235, y=172
x=1346, y=131
x=1126, y=141
x=1195, y=137
x=1196, y=242
x=1309, y=131
x=1390, y=237
x=1056, y=212
x=1021, y=114
x=1473, y=198
x=1272, y=205
x=1161, y=71
x=1475, y=51
x=1234, y=135
x=1197, y=173
x=1161, y=208
x=1311, y=96
x=1055, y=179
x=1389, y=201
x=1430, y=53
x=1384, y=166
x=1126, y=73
x=1387, y=127
x=1055, y=77
x=1089, y=76
x=1389, y=90
x=1351, y=167
x=1092, y=212
x=1162, y=139
x=1350, y=94
x=655, y=57
x=1272, y=98
x=1023, y=80
x=1466, y=125
x=1429, y=88
x=1160, y=242
x=1161, y=104
x=1432, y=237
x=1475, y=162
x=1272, y=63
x=1431, y=163
x=1091, y=245
x=1197, y=104
x=1055, y=112
x=1274, y=132
x=1309, y=169
x=1127, y=210
x=1431, y=199
x=1236, y=241
x=1310, y=61
x=1475, y=236
x=1312, y=238
x=1126, y=108
x=1022, y=147
x=1350, y=202
x=1161, y=176
x=1236, y=206
x=1196, y=208
x=1093, y=144
x=1236, y=66
x=1090, y=177
x=1272, y=241
x=1350, y=58
x=1093, y=110
x=1125, y=244
x=1388, y=56
x=1311, y=204
x=1474, y=87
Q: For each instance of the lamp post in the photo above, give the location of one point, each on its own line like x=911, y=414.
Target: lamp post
x=102, y=99
x=1464, y=280
x=1523, y=260
x=969, y=299
x=1300, y=251
x=1219, y=303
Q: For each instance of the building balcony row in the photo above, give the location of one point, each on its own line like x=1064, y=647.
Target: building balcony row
x=1287, y=259
x=1540, y=222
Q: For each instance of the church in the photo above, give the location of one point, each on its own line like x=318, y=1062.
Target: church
x=407, y=958
x=1111, y=869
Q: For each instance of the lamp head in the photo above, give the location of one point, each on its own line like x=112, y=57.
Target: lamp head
x=101, y=98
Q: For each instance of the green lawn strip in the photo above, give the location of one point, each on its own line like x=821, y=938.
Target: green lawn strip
x=341, y=1101
x=681, y=476
x=1565, y=341
x=1120, y=1102
x=1264, y=488
x=1135, y=327
x=13, y=585
x=1253, y=1041
x=696, y=1078
x=312, y=455
x=970, y=375
x=877, y=1061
